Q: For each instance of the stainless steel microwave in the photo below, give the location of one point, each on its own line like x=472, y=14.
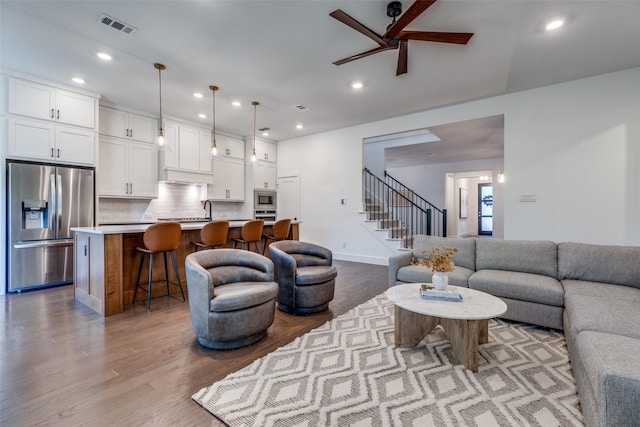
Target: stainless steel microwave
x=264, y=200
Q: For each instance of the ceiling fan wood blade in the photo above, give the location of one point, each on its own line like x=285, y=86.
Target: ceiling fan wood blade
x=403, y=58
x=359, y=27
x=364, y=54
x=435, y=36
x=405, y=19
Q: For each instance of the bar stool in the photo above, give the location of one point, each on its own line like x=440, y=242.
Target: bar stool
x=213, y=235
x=279, y=231
x=251, y=233
x=162, y=237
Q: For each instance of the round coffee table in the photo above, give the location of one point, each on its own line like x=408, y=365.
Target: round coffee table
x=466, y=323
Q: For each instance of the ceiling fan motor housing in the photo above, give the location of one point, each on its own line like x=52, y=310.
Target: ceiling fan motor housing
x=394, y=9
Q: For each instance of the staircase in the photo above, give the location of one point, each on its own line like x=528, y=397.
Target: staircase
x=394, y=213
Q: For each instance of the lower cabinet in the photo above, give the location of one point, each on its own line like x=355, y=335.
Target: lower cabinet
x=97, y=280
x=127, y=169
x=228, y=180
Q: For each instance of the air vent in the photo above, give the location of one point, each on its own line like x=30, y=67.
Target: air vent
x=303, y=107
x=264, y=129
x=117, y=25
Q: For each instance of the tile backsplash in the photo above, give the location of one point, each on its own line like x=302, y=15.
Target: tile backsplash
x=174, y=200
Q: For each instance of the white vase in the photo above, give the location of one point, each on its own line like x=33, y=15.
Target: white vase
x=440, y=280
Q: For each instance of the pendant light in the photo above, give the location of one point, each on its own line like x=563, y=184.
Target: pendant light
x=501, y=177
x=214, y=147
x=253, y=152
x=160, y=137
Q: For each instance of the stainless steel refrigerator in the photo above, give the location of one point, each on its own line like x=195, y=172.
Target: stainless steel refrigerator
x=43, y=203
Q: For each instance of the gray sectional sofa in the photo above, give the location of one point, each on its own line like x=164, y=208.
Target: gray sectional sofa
x=591, y=292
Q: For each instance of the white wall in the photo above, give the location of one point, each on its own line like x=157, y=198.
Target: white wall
x=574, y=145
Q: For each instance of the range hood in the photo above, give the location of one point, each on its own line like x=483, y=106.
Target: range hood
x=181, y=176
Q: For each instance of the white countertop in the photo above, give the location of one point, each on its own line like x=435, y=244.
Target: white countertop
x=140, y=228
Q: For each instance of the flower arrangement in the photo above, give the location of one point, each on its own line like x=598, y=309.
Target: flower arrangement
x=438, y=259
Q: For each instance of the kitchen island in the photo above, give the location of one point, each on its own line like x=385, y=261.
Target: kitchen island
x=106, y=261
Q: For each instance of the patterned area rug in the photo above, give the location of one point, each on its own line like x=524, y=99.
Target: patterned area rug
x=347, y=373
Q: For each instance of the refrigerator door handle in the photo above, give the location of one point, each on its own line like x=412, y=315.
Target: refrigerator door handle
x=58, y=203
x=45, y=244
x=54, y=202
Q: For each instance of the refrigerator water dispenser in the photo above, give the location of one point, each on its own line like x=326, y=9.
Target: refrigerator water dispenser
x=35, y=214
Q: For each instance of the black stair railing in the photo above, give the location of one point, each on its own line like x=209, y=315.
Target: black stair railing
x=400, y=209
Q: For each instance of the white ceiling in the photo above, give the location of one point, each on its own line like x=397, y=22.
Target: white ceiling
x=280, y=53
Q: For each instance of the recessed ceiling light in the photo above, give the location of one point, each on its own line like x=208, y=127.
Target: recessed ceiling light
x=265, y=133
x=197, y=95
x=105, y=56
x=236, y=103
x=554, y=25
x=78, y=80
x=299, y=126
x=202, y=116
x=357, y=85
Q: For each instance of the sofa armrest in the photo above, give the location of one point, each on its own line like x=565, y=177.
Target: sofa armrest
x=397, y=261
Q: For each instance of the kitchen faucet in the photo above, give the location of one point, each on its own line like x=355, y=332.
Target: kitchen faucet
x=205, y=208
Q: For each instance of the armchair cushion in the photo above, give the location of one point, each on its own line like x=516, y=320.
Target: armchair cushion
x=316, y=274
x=240, y=295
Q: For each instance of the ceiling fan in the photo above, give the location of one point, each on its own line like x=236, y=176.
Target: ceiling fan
x=396, y=37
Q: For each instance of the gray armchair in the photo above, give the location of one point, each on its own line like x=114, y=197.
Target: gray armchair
x=305, y=276
x=231, y=297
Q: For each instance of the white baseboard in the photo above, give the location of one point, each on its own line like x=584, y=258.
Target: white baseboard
x=361, y=258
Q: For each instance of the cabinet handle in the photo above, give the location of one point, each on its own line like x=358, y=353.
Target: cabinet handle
x=131, y=133
x=58, y=115
x=265, y=185
x=130, y=188
x=52, y=113
x=52, y=155
x=266, y=156
x=85, y=250
x=58, y=153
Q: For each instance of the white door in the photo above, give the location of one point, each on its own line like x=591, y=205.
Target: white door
x=289, y=197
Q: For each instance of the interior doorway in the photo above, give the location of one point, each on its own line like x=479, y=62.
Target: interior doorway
x=485, y=209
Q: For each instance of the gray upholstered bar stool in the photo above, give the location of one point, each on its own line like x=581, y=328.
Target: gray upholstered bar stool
x=251, y=233
x=213, y=235
x=162, y=237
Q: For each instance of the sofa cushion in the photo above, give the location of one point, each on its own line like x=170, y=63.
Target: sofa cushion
x=581, y=287
x=520, y=286
x=619, y=265
x=241, y=295
x=524, y=256
x=602, y=314
x=612, y=368
x=420, y=274
x=313, y=275
x=465, y=257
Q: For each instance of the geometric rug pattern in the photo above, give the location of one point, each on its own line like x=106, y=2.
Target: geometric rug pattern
x=347, y=373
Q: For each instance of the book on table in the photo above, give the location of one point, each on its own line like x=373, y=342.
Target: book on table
x=448, y=295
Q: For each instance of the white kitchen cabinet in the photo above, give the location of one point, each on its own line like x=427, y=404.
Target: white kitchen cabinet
x=228, y=180
x=264, y=175
x=230, y=147
x=37, y=140
x=265, y=151
x=186, y=156
x=124, y=124
x=38, y=101
x=127, y=169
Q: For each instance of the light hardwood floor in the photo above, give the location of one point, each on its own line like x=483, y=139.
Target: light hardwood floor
x=62, y=364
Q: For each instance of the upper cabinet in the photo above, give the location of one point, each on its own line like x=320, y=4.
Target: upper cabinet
x=265, y=151
x=36, y=140
x=49, y=123
x=123, y=124
x=230, y=147
x=186, y=156
x=44, y=102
